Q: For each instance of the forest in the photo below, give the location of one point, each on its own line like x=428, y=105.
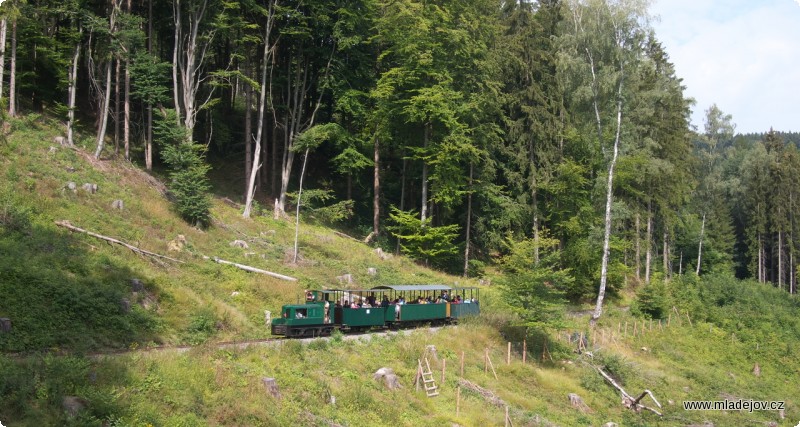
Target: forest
x=547, y=136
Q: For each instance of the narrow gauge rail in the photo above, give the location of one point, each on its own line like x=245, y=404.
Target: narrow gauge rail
x=382, y=307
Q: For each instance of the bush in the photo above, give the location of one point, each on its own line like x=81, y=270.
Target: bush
x=653, y=301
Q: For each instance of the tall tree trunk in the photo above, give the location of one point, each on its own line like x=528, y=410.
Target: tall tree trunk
x=12, y=83
x=376, y=188
x=248, y=130
x=126, y=131
x=72, y=89
x=648, y=244
x=101, y=133
x=3, y=31
x=666, y=256
x=117, y=116
x=469, y=223
x=262, y=101
x=638, y=249
x=424, y=203
x=598, y=310
x=535, y=205
x=297, y=212
x=402, y=196
x=148, y=145
x=176, y=11
x=700, y=245
x=780, y=260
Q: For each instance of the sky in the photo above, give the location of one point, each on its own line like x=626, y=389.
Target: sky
x=743, y=55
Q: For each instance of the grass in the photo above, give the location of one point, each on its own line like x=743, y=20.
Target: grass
x=65, y=294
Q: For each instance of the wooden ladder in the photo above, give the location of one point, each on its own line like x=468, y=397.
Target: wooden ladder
x=431, y=389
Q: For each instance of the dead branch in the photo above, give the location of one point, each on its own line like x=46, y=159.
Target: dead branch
x=627, y=399
x=251, y=269
x=486, y=394
x=66, y=224
x=340, y=234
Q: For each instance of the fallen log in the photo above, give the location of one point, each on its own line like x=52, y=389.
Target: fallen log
x=66, y=224
x=628, y=400
x=250, y=269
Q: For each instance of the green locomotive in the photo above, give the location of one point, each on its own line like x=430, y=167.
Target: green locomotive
x=393, y=306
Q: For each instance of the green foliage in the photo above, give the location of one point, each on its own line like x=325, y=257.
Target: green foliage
x=421, y=241
x=653, y=300
x=202, y=326
x=189, y=183
x=534, y=285
x=315, y=201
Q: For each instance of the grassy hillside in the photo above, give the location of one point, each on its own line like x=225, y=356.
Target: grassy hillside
x=70, y=294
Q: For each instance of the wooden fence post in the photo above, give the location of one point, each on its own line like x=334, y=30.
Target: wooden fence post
x=508, y=354
x=525, y=350
x=462, y=363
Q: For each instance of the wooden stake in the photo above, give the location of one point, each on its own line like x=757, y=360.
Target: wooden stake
x=669, y=319
x=489, y=359
x=444, y=364
x=626, y=329
x=525, y=349
x=462, y=363
x=506, y=416
x=688, y=318
x=635, y=322
x=660, y=328
x=508, y=354
x=651, y=324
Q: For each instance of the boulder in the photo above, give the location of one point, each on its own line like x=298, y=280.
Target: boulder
x=389, y=378
x=136, y=285
x=272, y=387
x=73, y=405
x=118, y=204
x=372, y=271
x=89, y=188
x=72, y=186
x=578, y=403
x=345, y=278
x=177, y=244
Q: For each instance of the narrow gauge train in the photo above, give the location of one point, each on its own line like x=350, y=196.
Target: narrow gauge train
x=392, y=306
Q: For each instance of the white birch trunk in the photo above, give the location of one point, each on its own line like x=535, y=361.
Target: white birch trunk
x=700, y=245
x=598, y=310
x=297, y=212
x=3, y=31
x=469, y=222
x=638, y=246
x=648, y=257
x=101, y=133
x=12, y=83
x=71, y=90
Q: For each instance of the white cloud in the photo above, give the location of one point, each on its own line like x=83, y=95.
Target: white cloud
x=742, y=55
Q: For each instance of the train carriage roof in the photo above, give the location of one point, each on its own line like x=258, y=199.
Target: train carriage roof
x=414, y=287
